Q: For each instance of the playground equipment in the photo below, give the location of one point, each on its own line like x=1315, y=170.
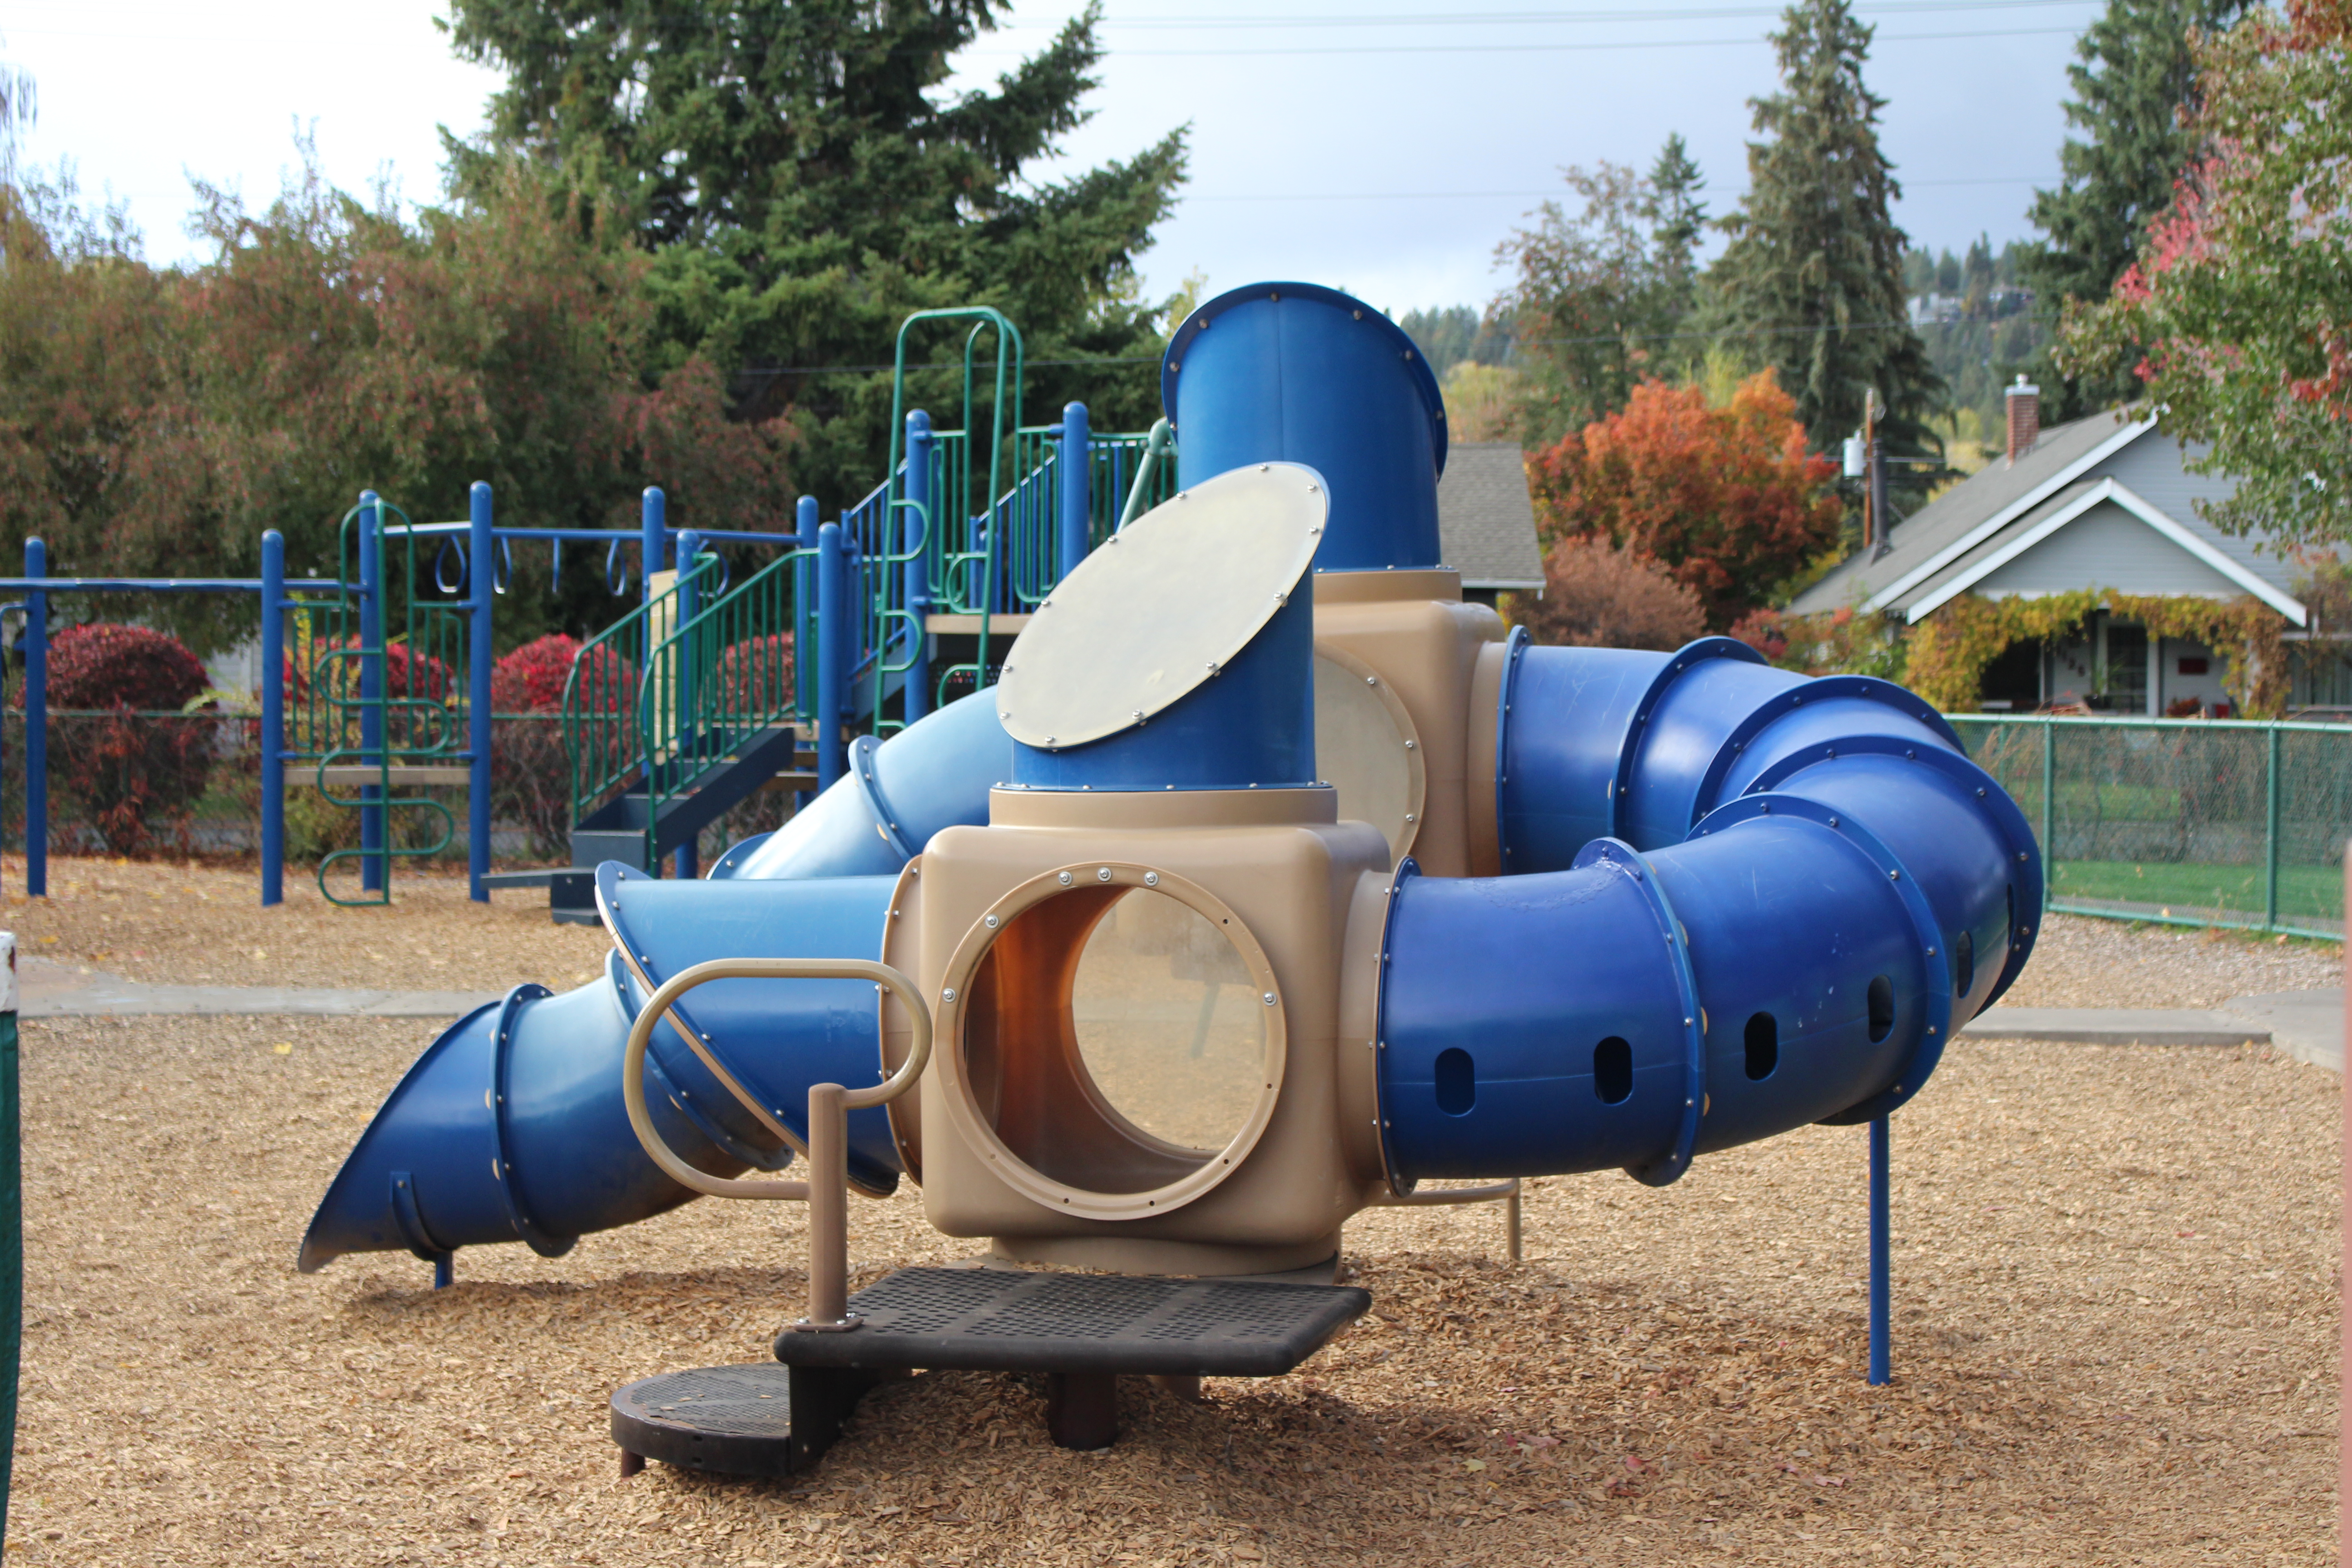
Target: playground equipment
x=1269, y=883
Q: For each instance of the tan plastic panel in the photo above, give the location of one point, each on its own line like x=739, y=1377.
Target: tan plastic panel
x=1481, y=804
x=1290, y=885
x=1426, y=650
x=1162, y=606
x=1366, y=748
x=901, y=950
x=1010, y=806
x=1014, y=1080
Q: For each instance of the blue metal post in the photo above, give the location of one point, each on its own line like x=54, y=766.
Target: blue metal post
x=832, y=668
x=653, y=525
x=373, y=658
x=273, y=718
x=37, y=725
x=916, y=696
x=479, y=651
x=1881, y=1263
x=689, y=734
x=1078, y=500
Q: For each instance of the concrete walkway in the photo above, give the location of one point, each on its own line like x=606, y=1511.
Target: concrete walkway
x=48, y=989
x=2306, y=1025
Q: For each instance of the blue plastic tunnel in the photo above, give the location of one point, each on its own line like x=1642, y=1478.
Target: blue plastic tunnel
x=1742, y=900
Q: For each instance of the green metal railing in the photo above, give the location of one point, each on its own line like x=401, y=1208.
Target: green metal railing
x=2181, y=822
x=713, y=683
x=415, y=669
x=606, y=722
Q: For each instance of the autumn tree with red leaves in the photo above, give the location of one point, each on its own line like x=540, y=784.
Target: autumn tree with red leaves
x=2237, y=316
x=1726, y=500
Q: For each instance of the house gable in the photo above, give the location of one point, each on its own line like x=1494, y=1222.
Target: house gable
x=2100, y=533
x=2109, y=546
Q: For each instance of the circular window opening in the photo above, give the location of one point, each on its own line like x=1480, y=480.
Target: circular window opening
x=1117, y=1043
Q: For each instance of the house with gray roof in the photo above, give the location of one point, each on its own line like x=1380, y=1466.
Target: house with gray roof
x=2107, y=503
x=1486, y=523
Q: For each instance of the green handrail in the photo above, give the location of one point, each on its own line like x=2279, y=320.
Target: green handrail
x=604, y=740
x=722, y=677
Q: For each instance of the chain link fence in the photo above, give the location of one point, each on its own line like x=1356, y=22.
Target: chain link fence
x=2181, y=821
x=2184, y=822
x=188, y=786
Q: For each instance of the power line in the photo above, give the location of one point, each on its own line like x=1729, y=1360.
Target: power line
x=771, y=372
x=1552, y=18
x=1550, y=191
x=1563, y=48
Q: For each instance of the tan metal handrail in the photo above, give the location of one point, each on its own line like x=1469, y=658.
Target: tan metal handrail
x=1504, y=1193
x=826, y=1192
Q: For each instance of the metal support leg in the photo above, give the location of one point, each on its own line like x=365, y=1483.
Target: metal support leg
x=1880, y=1262
x=1082, y=1409
x=445, y=1270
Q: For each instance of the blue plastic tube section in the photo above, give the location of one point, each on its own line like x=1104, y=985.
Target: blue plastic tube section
x=1250, y=725
x=1297, y=373
x=1594, y=743
x=512, y=1127
x=894, y=796
x=1744, y=900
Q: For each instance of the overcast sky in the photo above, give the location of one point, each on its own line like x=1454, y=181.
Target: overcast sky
x=1383, y=147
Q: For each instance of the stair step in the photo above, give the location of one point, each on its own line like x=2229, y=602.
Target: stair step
x=1013, y=1321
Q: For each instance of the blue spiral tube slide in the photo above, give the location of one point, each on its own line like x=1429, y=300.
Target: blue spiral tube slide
x=1740, y=900
x=510, y=1127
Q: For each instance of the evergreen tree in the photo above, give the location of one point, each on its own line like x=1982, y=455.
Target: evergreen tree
x=802, y=186
x=2132, y=84
x=1811, y=283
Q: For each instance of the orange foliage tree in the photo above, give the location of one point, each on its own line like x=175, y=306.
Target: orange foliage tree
x=1726, y=499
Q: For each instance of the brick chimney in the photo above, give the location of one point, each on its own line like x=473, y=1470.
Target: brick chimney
x=2024, y=417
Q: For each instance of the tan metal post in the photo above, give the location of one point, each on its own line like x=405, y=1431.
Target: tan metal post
x=828, y=1206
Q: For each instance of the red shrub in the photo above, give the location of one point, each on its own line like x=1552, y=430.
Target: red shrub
x=756, y=675
x=135, y=778
x=532, y=678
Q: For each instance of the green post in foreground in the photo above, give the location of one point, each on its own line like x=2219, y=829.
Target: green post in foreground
x=12, y=1222
x=2270, y=832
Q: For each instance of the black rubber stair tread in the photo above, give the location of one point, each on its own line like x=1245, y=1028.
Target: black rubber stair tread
x=1011, y=1321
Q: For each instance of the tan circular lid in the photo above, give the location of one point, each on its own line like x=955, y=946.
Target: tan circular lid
x=1162, y=606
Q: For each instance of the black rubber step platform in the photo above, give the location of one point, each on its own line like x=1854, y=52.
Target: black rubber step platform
x=986, y=1319
x=1082, y=1331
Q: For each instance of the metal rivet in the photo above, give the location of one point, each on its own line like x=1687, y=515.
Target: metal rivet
x=1372, y=680
x=1151, y=878
x=1264, y=468
x=993, y=923
x=1408, y=816
x=1409, y=745
x=1269, y=999
x=2020, y=855
x=1834, y=822
x=1893, y=875
x=1102, y=874
x=948, y=994
x=1065, y=879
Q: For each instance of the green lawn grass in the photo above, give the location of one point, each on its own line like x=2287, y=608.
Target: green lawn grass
x=2305, y=893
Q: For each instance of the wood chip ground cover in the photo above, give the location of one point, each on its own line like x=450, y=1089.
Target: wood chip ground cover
x=2116, y=1306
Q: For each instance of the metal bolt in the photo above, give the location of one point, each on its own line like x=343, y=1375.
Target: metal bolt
x=1409, y=745
x=1269, y=999
x=1151, y=878
x=992, y=923
x=2020, y=855
x=1212, y=667
x=1372, y=680
x=1264, y=468
x=1893, y=875
x=1065, y=879
x=1102, y=874
x=1180, y=495
x=1409, y=817
x=1311, y=490
x=948, y=994
x=1834, y=822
